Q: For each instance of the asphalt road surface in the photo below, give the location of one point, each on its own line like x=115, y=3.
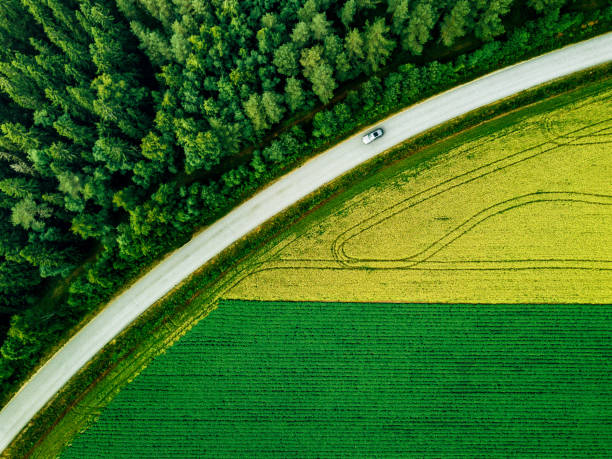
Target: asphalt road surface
x=272, y=200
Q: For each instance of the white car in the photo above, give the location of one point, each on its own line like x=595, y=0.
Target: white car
x=372, y=136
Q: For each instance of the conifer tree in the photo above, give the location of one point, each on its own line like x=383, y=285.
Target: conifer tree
x=456, y=22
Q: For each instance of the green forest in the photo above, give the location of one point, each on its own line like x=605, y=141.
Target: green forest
x=127, y=124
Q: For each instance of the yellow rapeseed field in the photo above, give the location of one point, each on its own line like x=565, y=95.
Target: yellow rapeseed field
x=517, y=210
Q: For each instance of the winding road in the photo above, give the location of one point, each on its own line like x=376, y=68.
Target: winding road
x=278, y=196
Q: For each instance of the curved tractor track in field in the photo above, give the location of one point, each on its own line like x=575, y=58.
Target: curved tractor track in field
x=596, y=133
x=422, y=260
x=593, y=134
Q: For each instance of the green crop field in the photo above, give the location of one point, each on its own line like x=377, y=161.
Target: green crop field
x=427, y=309
x=337, y=379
